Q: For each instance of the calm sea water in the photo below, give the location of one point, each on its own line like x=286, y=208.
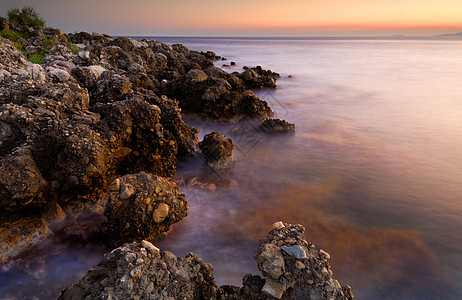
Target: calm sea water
x=373, y=171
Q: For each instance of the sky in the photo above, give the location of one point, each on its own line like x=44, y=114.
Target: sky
x=250, y=17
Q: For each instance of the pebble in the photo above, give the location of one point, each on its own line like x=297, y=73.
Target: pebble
x=160, y=213
x=273, y=288
x=324, y=254
x=296, y=251
x=115, y=185
x=150, y=247
x=127, y=191
x=278, y=225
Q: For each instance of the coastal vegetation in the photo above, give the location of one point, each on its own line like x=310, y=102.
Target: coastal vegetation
x=26, y=16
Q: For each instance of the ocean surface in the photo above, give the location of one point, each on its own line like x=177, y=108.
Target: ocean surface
x=373, y=171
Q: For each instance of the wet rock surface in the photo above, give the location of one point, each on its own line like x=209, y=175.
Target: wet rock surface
x=142, y=206
x=141, y=271
x=96, y=126
x=276, y=126
x=218, y=151
x=292, y=268
x=258, y=78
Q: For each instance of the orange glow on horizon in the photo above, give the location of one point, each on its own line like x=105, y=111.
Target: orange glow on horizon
x=138, y=17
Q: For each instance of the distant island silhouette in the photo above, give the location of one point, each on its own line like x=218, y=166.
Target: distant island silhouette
x=451, y=34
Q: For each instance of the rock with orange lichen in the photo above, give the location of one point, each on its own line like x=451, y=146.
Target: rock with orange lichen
x=19, y=236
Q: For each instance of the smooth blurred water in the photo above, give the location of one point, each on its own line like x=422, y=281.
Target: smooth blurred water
x=374, y=170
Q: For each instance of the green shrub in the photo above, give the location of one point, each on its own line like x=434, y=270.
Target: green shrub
x=20, y=48
x=26, y=16
x=36, y=58
x=73, y=48
x=49, y=43
x=13, y=35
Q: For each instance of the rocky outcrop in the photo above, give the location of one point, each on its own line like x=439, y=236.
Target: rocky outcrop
x=258, y=77
x=141, y=271
x=218, y=151
x=219, y=98
x=94, y=110
x=292, y=268
x=276, y=126
x=142, y=206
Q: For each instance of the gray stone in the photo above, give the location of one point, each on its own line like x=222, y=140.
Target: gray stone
x=273, y=288
x=296, y=251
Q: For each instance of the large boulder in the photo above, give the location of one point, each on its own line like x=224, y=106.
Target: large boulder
x=292, y=269
x=218, y=151
x=142, y=206
x=141, y=271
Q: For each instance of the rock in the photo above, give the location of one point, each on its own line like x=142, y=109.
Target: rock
x=278, y=225
x=160, y=212
x=185, y=136
x=270, y=261
x=273, y=288
x=324, y=254
x=140, y=270
x=127, y=191
x=306, y=275
x=145, y=207
x=21, y=182
x=276, y=126
x=218, y=151
x=296, y=251
x=156, y=275
x=209, y=55
x=19, y=236
x=196, y=76
x=258, y=78
x=96, y=71
x=58, y=74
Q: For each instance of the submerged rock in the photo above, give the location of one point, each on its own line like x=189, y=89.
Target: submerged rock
x=276, y=125
x=142, y=206
x=218, y=151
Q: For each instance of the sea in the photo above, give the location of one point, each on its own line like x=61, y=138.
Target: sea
x=373, y=170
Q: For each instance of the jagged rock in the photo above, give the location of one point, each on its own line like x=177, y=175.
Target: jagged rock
x=140, y=271
x=306, y=273
x=143, y=207
x=21, y=181
x=218, y=151
x=276, y=126
x=258, y=78
x=216, y=98
x=185, y=135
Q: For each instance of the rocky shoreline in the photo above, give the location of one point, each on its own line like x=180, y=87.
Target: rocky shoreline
x=95, y=128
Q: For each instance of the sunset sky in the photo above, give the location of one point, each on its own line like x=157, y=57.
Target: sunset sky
x=250, y=17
